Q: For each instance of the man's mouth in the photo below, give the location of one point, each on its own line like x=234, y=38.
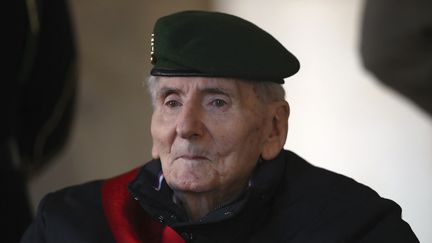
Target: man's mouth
x=192, y=157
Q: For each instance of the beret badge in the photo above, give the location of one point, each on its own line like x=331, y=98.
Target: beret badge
x=152, y=55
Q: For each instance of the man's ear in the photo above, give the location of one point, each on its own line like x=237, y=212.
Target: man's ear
x=276, y=137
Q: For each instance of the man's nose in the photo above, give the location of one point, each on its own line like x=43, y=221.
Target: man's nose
x=189, y=122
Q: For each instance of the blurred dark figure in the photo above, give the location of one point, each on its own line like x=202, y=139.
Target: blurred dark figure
x=396, y=46
x=36, y=100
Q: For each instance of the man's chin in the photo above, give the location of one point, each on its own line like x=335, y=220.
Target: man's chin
x=190, y=186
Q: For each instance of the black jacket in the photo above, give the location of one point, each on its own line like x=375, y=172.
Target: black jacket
x=288, y=200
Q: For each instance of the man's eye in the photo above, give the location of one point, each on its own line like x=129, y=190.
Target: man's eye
x=172, y=103
x=219, y=102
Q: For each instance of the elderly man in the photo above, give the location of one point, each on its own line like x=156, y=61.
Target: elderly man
x=219, y=172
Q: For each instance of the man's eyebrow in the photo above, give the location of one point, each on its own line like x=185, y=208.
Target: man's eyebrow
x=214, y=90
x=165, y=91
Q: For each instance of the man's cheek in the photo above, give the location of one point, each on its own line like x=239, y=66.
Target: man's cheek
x=155, y=151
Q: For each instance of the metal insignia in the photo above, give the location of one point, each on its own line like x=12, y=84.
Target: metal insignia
x=152, y=55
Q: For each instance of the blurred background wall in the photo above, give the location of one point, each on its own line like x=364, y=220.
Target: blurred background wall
x=341, y=119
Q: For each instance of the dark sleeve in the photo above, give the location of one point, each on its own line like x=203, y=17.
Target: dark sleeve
x=373, y=220
x=317, y=205
x=389, y=227
x=74, y=214
x=364, y=216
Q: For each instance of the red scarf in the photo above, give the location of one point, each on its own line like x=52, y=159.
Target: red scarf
x=128, y=222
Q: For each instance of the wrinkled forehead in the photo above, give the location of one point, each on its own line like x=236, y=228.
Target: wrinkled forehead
x=232, y=87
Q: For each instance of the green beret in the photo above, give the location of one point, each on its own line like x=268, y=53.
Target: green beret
x=211, y=44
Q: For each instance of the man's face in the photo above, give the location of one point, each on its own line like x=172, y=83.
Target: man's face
x=207, y=132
